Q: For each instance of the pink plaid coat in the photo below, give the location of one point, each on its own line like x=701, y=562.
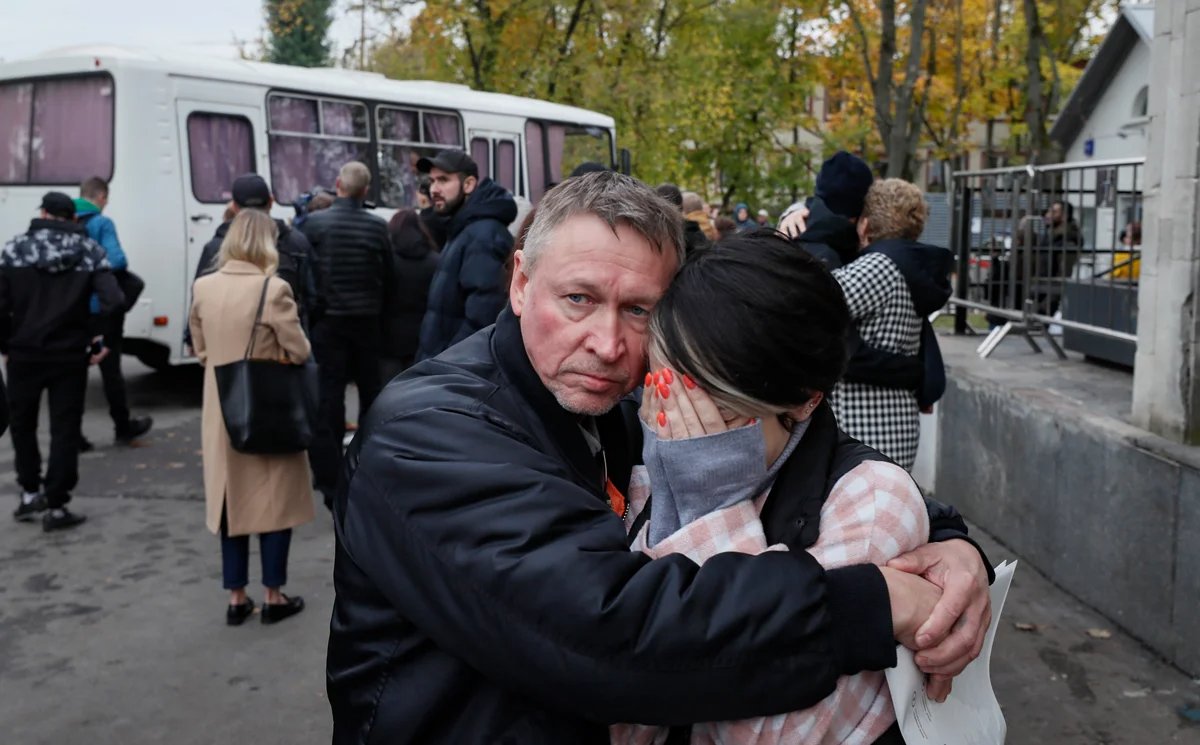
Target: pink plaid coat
x=874, y=513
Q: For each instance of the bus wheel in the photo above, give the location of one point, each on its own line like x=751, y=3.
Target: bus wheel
x=154, y=356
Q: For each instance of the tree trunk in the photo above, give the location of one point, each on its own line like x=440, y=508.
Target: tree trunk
x=906, y=115
x=1035, y=97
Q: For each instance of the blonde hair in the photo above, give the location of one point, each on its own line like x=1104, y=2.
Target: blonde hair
x=894, y=208
x=251, y=237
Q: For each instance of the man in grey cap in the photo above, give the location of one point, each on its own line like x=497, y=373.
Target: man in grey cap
x=468, y=290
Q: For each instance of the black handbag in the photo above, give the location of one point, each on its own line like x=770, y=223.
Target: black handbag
x=131, y=287
x=269, y=407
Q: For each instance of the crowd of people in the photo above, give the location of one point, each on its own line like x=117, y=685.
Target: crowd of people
x=637, y=462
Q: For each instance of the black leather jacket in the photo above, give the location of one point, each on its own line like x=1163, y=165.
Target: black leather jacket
x=486, y=592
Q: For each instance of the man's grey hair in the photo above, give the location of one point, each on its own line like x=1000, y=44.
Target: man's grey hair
x=355, y=179
x=692, y=202
x=616, y=199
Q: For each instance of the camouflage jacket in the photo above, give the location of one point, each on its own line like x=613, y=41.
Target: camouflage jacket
x=47, y=278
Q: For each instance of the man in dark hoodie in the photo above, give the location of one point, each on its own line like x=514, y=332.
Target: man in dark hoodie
x=47, y=278
x=468, y=290
x=744, y=220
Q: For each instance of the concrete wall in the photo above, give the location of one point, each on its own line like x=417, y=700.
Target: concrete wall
x=1114, y=111
x=1105, y=510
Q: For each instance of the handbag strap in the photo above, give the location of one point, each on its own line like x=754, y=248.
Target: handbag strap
x=262, y=300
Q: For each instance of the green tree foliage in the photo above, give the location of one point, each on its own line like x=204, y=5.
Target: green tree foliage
x=298, y=32
x=714, y=94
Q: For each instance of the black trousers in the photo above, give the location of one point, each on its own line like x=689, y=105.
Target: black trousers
x=345, y=348
x=66, y=386
x=113, y=329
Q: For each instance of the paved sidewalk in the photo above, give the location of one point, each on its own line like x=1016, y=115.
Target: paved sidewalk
x=114, y=633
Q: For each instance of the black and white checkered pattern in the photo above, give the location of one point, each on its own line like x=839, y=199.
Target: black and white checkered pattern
x=882, y=307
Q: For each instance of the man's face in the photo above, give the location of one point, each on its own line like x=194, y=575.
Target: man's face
x=448, y=191
x=586, y=308
x=742, y=214
x=1055, y=214
x=762, y=219
x=101, y=200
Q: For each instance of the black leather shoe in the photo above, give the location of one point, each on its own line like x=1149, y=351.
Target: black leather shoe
x=276, y=612
x=236, y=615
x=85, y=445
x=61, y=519
x=27, y=511
x=138, y=426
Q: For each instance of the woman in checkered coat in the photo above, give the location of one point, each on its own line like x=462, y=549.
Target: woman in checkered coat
x=890, y=288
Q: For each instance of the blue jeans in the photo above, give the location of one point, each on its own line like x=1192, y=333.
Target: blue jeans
x=235, y=557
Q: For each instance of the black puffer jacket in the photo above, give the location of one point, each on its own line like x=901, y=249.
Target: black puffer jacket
x=47, y=278
x=829, y=237
x=485, y=592
x=468, y=290
x=354, y=260
x=416, y=261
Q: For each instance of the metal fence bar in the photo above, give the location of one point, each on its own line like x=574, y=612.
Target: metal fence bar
x=1048, y=250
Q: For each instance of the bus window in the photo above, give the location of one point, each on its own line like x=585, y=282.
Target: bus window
x=220, y=148
x=481, y=154
x=506, y=164
x=405, y=135
x=311, y=139
x=567, y=147
x=56, y=131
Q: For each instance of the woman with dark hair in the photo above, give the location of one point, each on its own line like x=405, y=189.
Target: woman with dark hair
x=742, y=450
x=416, y=260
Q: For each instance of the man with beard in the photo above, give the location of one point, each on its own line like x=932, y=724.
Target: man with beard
x=486, y=592
x=468, y=290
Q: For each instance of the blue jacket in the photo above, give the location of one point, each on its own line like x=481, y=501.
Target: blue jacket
x=468, y=289
x=102, y=230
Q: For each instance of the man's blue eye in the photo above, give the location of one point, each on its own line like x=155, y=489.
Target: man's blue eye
x=576, y=298
x=639, y=311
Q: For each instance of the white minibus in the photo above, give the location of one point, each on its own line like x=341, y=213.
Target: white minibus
x=171, y=131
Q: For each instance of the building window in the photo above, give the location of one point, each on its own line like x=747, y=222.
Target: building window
x=405, y=136
x=310, y=139
x=1141, y=103
x=220, y=148
x=56, y=131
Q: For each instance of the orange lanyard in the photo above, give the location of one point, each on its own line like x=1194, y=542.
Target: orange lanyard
x=616, y=500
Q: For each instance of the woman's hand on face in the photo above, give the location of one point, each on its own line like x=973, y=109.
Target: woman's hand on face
x=677, y=408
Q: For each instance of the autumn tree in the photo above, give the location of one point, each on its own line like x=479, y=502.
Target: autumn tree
x=298, y=32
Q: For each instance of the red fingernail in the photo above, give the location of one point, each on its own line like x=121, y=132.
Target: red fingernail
x=753, y=420
x=657, y=378
x=662, y=419
x=688, y=382
x=668, y=376
x=664, y=391
x=649, y=380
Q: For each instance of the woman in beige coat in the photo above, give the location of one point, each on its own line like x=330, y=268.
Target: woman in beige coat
x=264, y=494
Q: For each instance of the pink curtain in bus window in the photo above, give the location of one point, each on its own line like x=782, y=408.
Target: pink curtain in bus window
x=442, y=129
x=506, y=165
x=537, y=161
x=72, y=130
x=220, y=148
x=479, y=154
x=288, y=114
x=16, y=104
x=399, y=125
x=557, y=135
x=343, y=120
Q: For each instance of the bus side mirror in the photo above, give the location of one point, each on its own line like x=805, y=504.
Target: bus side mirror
x=625, y=161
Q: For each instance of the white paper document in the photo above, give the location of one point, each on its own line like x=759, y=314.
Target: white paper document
x=971, y=715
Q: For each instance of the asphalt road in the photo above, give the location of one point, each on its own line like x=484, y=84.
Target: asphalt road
x=114, y=632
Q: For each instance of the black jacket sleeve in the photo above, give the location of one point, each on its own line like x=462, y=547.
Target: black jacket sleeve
x=106, y=289
x=488, y=546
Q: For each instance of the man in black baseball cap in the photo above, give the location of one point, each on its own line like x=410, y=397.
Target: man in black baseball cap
x=467, y=292
x=297, y=264
x=47, y=278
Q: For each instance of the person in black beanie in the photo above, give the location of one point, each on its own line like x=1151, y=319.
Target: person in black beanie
x=829, y=231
